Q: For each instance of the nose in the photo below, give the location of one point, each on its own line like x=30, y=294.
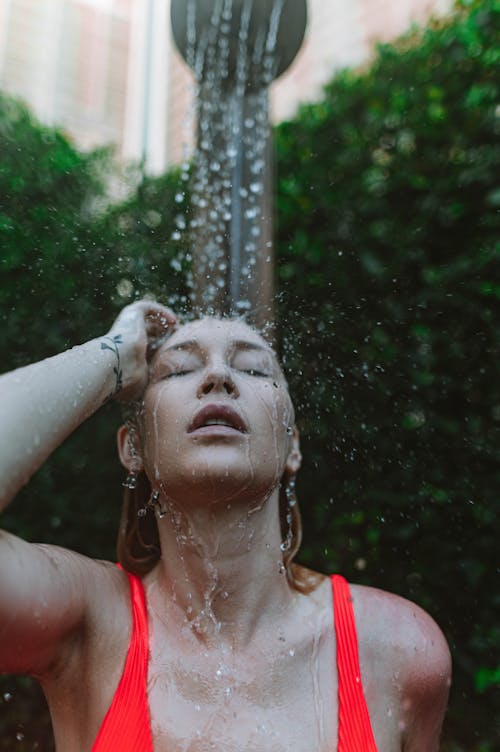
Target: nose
x=217, y=377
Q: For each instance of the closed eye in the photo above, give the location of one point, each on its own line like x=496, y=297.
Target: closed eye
x=176, y=373
x=254, y=372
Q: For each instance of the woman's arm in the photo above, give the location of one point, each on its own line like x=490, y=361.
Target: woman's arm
x=426, y=685
x=41, y=404
x=46, y=592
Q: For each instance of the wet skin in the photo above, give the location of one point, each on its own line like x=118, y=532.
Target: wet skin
x=226, y=364
x=239, y=660
x=228, y=647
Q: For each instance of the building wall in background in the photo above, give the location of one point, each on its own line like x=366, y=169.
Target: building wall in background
x=342, y=34
x=68, y=60
x=107, y=72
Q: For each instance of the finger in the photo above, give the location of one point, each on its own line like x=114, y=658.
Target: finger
x=158, y=326
x=151, y=307
x=160, y=317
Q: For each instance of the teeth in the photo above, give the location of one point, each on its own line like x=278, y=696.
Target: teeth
x=217, y=422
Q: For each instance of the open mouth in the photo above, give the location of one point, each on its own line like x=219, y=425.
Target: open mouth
x=214, y=415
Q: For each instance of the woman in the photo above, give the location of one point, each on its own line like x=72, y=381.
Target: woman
x=220, y=642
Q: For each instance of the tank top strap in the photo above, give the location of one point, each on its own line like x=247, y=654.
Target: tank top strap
x=126, y=726
x=355, y=730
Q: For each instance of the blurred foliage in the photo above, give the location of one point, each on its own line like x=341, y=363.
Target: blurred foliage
x=69, y=261
x=389, y=284
x=389, y=269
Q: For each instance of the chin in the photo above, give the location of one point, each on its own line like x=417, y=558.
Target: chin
x=219, y=482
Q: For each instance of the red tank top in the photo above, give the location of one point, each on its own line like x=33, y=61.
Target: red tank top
x=127, y=727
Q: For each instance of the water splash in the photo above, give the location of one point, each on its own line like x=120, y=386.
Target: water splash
x=235, y=50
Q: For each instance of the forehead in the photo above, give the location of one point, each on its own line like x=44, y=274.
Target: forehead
x=218, y=332
x=223, y=334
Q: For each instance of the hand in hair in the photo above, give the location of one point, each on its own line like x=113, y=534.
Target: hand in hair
x=137, y=332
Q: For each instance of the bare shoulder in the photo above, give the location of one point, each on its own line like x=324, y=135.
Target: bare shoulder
x=99, y=585
x=48, y=597
x=81, y=667
x=405, y=648
x=408, y=634
x=92, y=580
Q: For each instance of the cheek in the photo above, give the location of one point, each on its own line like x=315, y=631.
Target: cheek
x=280, y=407
x=160, y=426
x=276, y=417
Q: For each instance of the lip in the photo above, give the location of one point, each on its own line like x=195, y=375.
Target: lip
x=218, y=412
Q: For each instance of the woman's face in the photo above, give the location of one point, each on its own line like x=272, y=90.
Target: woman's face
x=217, y=414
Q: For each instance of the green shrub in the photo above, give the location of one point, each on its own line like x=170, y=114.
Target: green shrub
x=67, y=265
x=388, y=266
x=389, y=284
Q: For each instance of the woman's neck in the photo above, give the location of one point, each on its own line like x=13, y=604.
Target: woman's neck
x=221, y=569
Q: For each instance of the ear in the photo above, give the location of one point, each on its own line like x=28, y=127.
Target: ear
x=294, y=459
x=128, y=451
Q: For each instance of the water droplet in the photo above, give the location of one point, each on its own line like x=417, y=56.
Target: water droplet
x=124, y=288
x=176, y=265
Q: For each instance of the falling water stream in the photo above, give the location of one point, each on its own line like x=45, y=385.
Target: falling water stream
x=236, y=49
x=251, y=699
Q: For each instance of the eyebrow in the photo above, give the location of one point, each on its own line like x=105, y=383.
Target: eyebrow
x=188, y=344
x=244, y=344
x=237, y=344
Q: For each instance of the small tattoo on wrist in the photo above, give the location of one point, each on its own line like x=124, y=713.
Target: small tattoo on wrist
x=113, y=346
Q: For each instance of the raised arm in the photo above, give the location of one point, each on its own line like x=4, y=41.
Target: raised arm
x=41, y=404
x=45, y=590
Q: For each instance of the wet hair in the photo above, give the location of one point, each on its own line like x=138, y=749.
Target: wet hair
x=138, y=545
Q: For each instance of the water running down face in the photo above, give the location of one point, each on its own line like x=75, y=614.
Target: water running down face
x=217, y=416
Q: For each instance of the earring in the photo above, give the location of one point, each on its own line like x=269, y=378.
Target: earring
x=290, y=492
x=291, y=501
x=154, y=501
x=150, y=504
x=131, y=480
